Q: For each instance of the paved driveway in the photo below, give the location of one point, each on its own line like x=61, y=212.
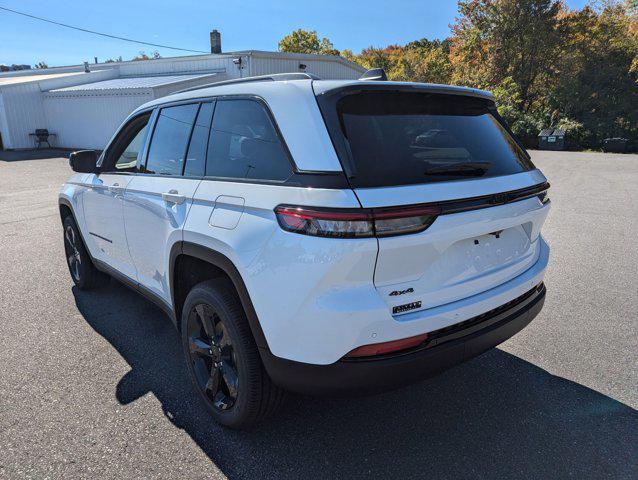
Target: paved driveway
x=93, y=385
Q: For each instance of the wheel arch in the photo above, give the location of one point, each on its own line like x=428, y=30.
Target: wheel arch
x=220, y=262
x=66, y=208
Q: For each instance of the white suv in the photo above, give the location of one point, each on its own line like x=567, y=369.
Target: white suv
x=323, y=237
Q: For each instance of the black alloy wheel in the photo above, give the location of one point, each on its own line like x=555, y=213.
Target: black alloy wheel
x=212, y=357
x=81, y=267
x=73, y=256
x=222, y=358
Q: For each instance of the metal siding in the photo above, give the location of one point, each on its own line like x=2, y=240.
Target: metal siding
x=163, y=90
x=89, y=121
x=326, y=69
x=4, y=131
x=120, y=83
x=177, y=66
x=24, y=112
x=24, y=108
x=88, y=118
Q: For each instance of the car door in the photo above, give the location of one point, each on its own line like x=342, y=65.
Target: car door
x=157, y=200
x=102, y=200
x=244, y=147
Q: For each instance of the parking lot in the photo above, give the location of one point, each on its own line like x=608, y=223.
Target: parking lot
x=93, y=384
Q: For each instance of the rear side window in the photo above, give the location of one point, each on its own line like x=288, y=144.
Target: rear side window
x=170, y=138
x=402, y=138
x=244, y=143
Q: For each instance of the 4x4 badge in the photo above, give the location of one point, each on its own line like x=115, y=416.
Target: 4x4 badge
x=401, y=292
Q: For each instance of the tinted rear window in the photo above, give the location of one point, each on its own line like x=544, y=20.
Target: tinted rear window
x=402, y=138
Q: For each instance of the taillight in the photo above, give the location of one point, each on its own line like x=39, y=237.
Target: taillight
x=355, y=223
x=387, y=347
x=401, y=220
x=543, y=197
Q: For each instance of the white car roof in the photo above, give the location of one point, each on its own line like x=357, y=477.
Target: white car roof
x=296, y=112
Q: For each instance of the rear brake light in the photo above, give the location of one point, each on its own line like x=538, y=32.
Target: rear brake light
x=543, y=197
x=355, y=223
x=387, y=347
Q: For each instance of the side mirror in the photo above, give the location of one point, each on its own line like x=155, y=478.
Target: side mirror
x=83, y=161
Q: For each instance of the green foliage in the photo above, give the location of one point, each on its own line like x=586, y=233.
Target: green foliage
x=304, y=41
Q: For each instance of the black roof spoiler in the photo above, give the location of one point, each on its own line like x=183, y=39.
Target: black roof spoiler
x=374, y=74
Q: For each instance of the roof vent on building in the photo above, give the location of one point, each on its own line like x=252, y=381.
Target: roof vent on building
x=215, y=42
x=374, y=74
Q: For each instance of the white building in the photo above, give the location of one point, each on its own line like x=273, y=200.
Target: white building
x=83, y=109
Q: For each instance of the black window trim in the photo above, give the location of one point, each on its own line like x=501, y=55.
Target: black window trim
x=299, y=178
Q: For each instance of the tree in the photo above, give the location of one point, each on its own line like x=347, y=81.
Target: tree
x=373, y=57
x=509, y=38
x=596, y=84
x=41, y=64
x=547, y=65
x=304, y=41
x=348, y=55
x=423, y=61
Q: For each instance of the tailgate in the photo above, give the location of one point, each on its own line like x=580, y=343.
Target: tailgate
x=461, y=254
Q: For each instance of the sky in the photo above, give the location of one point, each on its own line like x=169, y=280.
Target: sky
x=244, y=25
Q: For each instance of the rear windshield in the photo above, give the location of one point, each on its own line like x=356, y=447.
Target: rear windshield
x=402, y=138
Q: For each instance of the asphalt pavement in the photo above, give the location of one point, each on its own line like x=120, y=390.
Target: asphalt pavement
x=93, y=385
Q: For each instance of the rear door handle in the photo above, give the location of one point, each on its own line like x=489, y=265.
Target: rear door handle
x=173, y=197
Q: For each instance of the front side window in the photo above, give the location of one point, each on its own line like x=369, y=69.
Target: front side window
x=244, y=143
x=123, y=154
x=170, y=139
x=128, y=158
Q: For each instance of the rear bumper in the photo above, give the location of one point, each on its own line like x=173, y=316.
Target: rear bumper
x=445, y=348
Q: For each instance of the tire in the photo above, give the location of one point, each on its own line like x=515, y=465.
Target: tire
x=222, y=357
x=83, y=272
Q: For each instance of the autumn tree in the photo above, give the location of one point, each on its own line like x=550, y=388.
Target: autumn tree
x=596, y=84
x=517, y=39
x=424, y=61
x=304, y=41
x=547, y=65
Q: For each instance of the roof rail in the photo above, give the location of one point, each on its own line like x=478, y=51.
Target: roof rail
x=275, y=77
x=374, y=74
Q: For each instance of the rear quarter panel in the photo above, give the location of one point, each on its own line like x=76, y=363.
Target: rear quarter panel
x=299, y=285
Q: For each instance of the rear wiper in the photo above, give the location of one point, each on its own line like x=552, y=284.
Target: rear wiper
x=470, y=169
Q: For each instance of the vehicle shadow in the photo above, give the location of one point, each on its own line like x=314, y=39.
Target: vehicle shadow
x=495, y=417
x=33, y=154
